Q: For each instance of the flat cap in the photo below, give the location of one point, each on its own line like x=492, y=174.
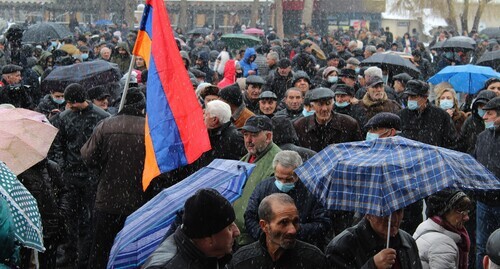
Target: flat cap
x=11, y=68
x=384, y=120
x=493, y=104
x=373, y=81
x=328, y=70
x=257, y=123
x=321, y=93
x=98, y=93
x=403, y=77
x=343, y=89
x=268, y=95
x=253, y=79
x=347, y=72
x=284, y=63
x=417, y=87
x=493, y=247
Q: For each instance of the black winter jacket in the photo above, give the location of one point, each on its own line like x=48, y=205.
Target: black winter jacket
x=487, y=152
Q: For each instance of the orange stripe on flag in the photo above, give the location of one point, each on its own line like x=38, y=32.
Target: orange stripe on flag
x=151, y=169
x=143, y=46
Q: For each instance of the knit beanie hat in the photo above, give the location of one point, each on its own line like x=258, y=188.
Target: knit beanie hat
x=135, y=99
x=75, y=93
x=232, y=94
x=207, y=212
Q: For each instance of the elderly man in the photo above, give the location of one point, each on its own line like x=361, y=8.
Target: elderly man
x=487, y=152
x=105, y=54
x=325, y=127
x=268, y=103
x=294, y=101
x=252, y=91
x=364, y=245
x=375, y=101
x=369, y=51
x=314, y=224
x=492, y=258
x=278, y=246
x=272, y=59
x=11, y=92
x=424, y=122
x=371, y=72
x=258, y=137
x=344, y=97
x=302, y=81
x=281, y=79
x=205, y=239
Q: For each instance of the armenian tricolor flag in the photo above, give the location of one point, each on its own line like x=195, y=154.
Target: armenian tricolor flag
x=175, y=132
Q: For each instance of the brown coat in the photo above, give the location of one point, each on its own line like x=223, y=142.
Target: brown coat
x=340, y=129
x=370, y=108
x=244, y=115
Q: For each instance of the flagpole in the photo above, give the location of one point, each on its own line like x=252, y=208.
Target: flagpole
x=127, y=79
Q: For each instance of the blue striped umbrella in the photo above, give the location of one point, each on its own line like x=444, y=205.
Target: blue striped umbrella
x=145, y=229
x=381, y=176
x=27, y=221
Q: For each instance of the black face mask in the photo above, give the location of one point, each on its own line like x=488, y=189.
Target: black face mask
x=239, y=75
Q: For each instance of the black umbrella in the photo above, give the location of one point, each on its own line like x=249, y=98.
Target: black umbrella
x=44, y=31
x=456, y=42
x=492, y=32
x=88, y=74
x=393, y=62
x=200, y=31
x=491, y=59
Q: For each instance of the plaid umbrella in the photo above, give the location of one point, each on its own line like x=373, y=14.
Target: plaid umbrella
x=27, y=221
x=381, y=176
x=145, y=229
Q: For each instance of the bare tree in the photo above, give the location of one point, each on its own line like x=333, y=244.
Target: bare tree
x=255, y=13
x=479, y=13
x=307, y=12
x=464, y=16
x=183, y=16
x=279, y=19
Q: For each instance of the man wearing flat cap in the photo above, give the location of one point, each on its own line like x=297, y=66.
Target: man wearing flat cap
x=280, y=80
x=325, y=127
x=487, y=152
x=384, y=124
x=492, y=258
x=258, y=137
x=268, y=103
x=204, y=240
x=348, y=76
x=252, y=91
x=344, y=101
x=11, y=91
x=424, y=122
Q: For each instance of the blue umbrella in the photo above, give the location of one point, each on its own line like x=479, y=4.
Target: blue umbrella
x=103, y=22
x=465, y=78
x=381, y=176
x=145, y=228
x=24, y=209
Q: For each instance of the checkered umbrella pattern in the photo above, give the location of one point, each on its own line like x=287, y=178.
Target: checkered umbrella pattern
x=24, y=208
x=381, y=176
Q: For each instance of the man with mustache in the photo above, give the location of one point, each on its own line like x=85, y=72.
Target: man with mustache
x=277, y=246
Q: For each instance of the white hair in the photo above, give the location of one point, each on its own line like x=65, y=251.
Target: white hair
x=287, y=158
x=218, y=109
x=373, y=72
x=493, y=265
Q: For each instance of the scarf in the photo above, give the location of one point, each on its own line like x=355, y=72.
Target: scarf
x=463, y=245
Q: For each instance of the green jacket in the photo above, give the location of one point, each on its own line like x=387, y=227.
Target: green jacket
x=8, y=249
x=263, y=169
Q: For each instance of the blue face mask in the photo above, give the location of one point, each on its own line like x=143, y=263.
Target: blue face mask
x=446, y=104
x=307, y=113
x=53, y=44
x=357, y=69
x=412, y=105
x=481, y=112
x=341, y=105
x=489, y=125
x=85, y=56
x=371, y=136
x=333, y=79
x=284, y=187
x=385, y=79
x=58, y=101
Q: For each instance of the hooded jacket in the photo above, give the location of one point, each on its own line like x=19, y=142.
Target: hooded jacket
x=210, y=75
x=246, y=65
x=40, y=67
x=229, y=74
x=123, y=61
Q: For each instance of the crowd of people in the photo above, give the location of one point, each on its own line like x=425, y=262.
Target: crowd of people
x=274, y=105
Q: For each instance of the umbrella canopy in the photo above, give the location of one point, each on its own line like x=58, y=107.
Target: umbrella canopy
x=145, y=228
x=455, y=43
x=381, y=176
x=41, y=32
x=254, y=31
x=88, y=74
x=103, y=22
x=465, y=78
x=315, y=49
x=24, y=209
x=200, y=31
x=491, y=59
x=491, y=32
x=25, y=138
x=393, y=62
x=238, y=41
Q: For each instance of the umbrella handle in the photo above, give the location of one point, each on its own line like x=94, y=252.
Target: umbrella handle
x=389, y=230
